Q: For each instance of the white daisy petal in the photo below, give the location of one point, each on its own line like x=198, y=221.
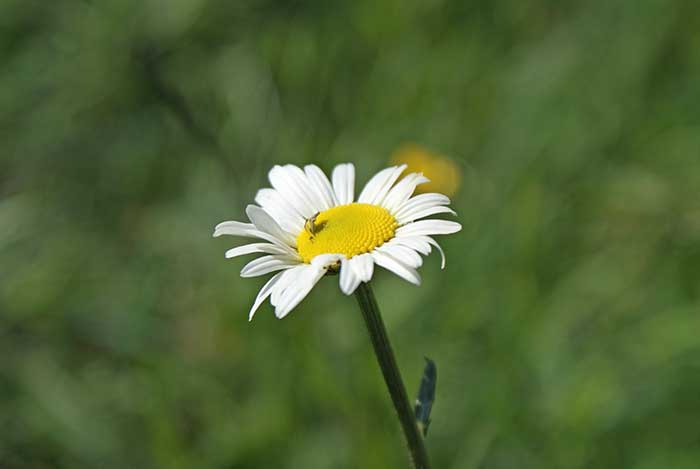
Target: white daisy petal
x=442, y=253
x=390, y=263
x=429, y=227
x=421, y=244
x=402, y=253
x=298, y=290
x=415, y=243
x=288, y=277
x=322, y=185
x=234, y=228
x=422, y=201
x=264, y=222
x=280, y=210
x=296, y=280
x=377, y=188
x=349, y=281
x=344, y=183
x=363, y=265
x=266, y=264
x=305, y=187
x=264, y=292
x=326, y=260
x=400, y=193
x=255, y=248
x=287, y=183
x=248, y=230
x=422, y=213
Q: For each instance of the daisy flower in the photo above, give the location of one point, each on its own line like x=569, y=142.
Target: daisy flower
x=308, y=225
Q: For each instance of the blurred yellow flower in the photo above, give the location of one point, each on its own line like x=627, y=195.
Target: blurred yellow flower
x=444, y=174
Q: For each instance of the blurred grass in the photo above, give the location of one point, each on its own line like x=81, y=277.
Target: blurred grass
x=564, y=327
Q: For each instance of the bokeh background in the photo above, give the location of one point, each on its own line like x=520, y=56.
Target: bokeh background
x=565, y=326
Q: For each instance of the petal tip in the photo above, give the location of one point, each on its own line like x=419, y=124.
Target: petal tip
x=251, y=208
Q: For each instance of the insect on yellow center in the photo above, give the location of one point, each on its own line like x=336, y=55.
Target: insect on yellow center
x=348, y=229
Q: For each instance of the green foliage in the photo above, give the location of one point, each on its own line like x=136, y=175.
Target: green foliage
x=565, y=326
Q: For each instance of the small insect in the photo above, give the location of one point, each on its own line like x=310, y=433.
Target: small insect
x=310, y=226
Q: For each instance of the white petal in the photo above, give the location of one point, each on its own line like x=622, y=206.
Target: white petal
x=295, y=283
x=305, y=187
x=264, y=292
x=404, y=254
x=280, y=210
x=378, y=187
x=400, y=193
x=397, y=267
x=414, y=242
x=429, y=227
x=410, y=216
x=234, y=228
x=322, y=186
x=298, y=289
x=326, y=260
x=442, y=253
x=421, y=244
x=348, y=280
x=288, y=183
x=253, y=249
x=420, y=201
x=248, y=230
x=266, y=264
x=344, y=183
x=363, y=265
x=288, y=277
x=264, y=222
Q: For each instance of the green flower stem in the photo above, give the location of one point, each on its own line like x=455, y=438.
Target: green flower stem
x=392, y=376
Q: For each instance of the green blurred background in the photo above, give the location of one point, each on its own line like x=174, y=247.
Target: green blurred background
x=565, y=326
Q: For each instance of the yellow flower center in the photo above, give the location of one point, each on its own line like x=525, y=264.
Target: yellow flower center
x=348, y=229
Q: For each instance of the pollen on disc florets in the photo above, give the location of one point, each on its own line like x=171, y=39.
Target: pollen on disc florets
x=350, y=229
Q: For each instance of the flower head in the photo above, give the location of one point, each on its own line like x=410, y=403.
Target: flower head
x=310, y=226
